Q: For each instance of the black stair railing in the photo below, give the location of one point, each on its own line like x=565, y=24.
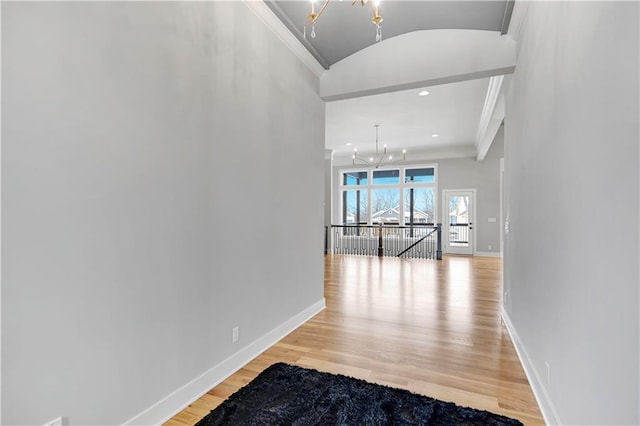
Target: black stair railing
x=417, y=242
x=422, y=240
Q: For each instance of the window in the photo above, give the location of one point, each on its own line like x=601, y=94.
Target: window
x=354, y=207
x=354, y=178
x=419, y=205
x=426, y=174
x=385, y=206
x=384, y=177
x=400, y=196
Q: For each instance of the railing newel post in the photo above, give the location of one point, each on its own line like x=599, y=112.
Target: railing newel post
x=326, y=239
x=439, y=243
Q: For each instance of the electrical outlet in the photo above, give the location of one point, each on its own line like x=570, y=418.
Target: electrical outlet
x=236, y=334
x=489, y=247
x=548, y=372
x=56, y=422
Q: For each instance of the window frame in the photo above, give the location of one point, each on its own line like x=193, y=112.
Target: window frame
x=367, y=190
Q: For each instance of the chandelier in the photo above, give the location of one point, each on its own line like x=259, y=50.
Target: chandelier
x=380, y=158
x=313, y=17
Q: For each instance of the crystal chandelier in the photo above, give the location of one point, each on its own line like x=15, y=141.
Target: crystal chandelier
x=380, y=158
x=313, y=17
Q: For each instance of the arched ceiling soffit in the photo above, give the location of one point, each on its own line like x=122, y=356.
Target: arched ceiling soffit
x=419, y=59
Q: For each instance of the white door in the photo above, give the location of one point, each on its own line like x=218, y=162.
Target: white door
x=458, y=219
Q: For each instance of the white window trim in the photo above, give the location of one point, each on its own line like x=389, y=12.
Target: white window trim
x=402, y=185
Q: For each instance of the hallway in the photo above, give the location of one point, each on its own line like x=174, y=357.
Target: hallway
x=432, y=327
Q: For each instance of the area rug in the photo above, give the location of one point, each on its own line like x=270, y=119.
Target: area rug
x=289, y=395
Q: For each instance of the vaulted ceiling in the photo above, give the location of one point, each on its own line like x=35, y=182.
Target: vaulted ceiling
x=457, y=51
x=345, y=28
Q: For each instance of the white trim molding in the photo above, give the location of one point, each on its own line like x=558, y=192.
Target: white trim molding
x=491, y=117
x=549, y=412
x=172, y=404
x=271, y=21
x=518, y=15
x=328, y=154
x=487, y=254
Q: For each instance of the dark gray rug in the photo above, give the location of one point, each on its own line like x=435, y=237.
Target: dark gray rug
x=288, y=395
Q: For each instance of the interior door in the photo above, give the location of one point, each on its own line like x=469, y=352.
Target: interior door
x=458, y=219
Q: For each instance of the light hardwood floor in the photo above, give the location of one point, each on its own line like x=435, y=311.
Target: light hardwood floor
x=432, y=327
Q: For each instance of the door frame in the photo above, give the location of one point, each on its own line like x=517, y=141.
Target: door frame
x=445, y=221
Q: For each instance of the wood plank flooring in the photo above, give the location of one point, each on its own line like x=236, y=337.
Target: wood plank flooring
x=432, y=327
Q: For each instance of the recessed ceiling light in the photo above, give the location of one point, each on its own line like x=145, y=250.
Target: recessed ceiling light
x=435, y=135
x=348, y=144
x=423, y=93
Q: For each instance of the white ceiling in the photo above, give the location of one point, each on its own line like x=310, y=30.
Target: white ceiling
x=407, y=120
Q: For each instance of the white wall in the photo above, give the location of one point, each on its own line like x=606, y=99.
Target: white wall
x=136, y=137
x=571, y=255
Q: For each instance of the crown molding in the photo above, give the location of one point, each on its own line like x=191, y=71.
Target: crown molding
x=506, y=19
x=415, y=156
x=517, y=19
x=271, y=21
x=328, y=154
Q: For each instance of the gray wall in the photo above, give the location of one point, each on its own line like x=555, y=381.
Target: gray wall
x=572, y=186
x=484, y=177
x=462, y=173
x=136, y=137
x=328, y=166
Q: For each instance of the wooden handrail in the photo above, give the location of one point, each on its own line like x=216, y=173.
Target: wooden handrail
x=390, y=226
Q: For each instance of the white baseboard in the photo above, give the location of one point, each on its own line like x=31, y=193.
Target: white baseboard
x=172, y=404
x=488, y=254
x=535, y=381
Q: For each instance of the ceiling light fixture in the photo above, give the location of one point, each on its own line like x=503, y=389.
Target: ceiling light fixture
x=435, y=135
x=423, y=93
x=380, y=159
x=313, y=17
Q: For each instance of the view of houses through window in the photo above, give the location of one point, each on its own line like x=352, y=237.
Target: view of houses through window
x=399, y=196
